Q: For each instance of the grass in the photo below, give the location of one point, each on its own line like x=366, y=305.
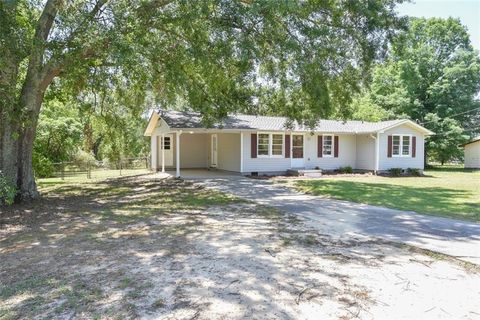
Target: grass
x=141, y=247
x=450, y=192
x=81, y=177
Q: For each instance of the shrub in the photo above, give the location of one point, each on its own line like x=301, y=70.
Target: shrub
x=346, y=169
x=42, y=166
x=7, y=190
x=83, y=157
x=395, y=172
x=414, y=172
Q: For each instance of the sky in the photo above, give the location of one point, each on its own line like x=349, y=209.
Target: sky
x=468, y=11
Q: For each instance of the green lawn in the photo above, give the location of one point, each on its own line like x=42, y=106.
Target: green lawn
x=446, y=192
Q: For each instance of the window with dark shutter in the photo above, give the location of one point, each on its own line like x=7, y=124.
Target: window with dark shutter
x=389, y=148
x=320, y=146
x=414, y=146
x=287, y=146
x=335, y=147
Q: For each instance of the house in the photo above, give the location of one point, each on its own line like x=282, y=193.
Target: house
x=472, y=153
x=260, y=144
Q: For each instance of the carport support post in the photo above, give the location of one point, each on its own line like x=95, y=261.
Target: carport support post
x=162, y=145
x=377, y=152
x=178, y=153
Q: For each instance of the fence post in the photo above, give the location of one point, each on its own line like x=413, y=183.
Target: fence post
x=120, y=166
x=63, y=170
x=89, y=173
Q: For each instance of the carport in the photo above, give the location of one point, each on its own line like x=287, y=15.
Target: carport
x=194, y=151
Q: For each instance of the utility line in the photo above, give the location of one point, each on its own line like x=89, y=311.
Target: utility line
x=472, y=129
x=468, y=111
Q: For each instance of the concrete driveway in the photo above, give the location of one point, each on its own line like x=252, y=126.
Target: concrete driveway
x=337, y=218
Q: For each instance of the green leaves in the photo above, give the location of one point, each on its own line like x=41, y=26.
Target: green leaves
x=432, y=75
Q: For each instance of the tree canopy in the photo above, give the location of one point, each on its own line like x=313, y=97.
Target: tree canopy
x=213, y=56
x=431, y=75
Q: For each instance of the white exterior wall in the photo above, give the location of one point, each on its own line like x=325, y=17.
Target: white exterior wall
x=193, y=150
x=386, y=163
x=357, y=151
x=261, y=164
x=228, y=149
x=346, y=153
x=365, y=152
x=346, y=156
x=472, y=155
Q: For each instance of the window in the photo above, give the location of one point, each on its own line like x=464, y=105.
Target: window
x=327, y=145
x=405, y=145
x=396, y=145
x=277, y=144
x=401, y=145
x=263, y=144
x=270, y=145
x=166, y=143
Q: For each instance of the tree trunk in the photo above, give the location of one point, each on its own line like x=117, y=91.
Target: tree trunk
x=17, y=138
x=19, y=112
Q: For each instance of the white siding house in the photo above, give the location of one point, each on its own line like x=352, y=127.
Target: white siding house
x=259, y=144
x=472, y=154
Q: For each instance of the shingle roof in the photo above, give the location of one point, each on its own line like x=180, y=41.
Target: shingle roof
x=193, y=120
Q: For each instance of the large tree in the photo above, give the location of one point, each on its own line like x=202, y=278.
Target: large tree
x=431, y=76
x=216, y=56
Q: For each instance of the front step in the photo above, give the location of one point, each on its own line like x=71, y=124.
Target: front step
x=310, y=173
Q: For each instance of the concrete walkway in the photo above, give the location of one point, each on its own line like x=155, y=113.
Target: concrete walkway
x=342, y=218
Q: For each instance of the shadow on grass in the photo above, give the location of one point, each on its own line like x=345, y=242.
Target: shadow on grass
x=439, y=201
x=135, y=239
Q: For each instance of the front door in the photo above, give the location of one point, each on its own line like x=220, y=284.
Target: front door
x=297, y=151
x=167, y=145
x=214, y=155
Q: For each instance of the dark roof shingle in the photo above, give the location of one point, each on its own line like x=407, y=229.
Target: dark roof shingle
x=193, y=120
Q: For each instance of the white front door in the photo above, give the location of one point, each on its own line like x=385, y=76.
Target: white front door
x=297, y=151
x=214, y=155
x=167, y=145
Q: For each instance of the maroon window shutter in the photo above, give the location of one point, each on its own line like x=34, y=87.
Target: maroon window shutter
x=389, y=150
x=287, y=146
x=320, y=146
x=414, y=147
x=253, y=145
x=335, y=146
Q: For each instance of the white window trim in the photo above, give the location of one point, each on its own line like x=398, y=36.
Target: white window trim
x=270, y=145
x=400, y=150
x=333, y=145
x=258, y=145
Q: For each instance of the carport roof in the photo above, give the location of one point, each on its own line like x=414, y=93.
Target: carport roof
x=193, y=120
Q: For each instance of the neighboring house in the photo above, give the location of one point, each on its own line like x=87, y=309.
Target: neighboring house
x=472, y=153
x=259, y=144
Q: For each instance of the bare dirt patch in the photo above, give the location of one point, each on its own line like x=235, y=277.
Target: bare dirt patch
x=145, y=248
